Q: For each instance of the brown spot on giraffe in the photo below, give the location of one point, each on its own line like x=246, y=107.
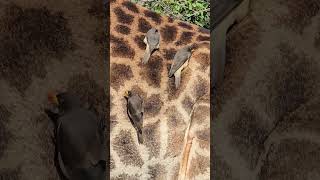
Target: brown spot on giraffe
x=201, y=88
x=131, y=6
x=185, y=38
x=204, y=136
x=175, y=118
x=198, y=166
x=203, y=38
x=123, y=17
x=137, y=90
x=152, y=71
x=151, y=137
x=157, y=172
x=97, y=9
x=152, y=105
x=47, y=34
x=123, y=29
x=168, y=33
x=248, y=133
x=127, y=150
x=154, y=16
x=185, y=25
x=119, y=74
x=187, y=104
x=144, y=25
x=200, y=114
x=204, y=60
x=169, y=53
x=121, y=48
x=139, y=41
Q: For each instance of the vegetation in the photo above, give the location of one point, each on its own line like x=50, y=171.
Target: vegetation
x=192, y=11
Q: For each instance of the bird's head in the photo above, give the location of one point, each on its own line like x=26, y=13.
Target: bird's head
x=64, y=100
x=127, y=94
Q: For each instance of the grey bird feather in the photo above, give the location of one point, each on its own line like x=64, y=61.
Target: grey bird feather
x=180, y=61
x=152, y=41
x=135, y=111
x=80, y=141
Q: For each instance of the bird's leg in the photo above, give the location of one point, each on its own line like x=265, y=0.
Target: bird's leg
x=177, y=78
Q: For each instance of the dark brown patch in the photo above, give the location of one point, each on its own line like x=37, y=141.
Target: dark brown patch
x=157, y=172
x=144, y=25
x=125, y=177
x=121, y=48
x=204, y=30
x=139, y=41
x=124, y=145
x=168, y=33
x=185, y=25
x=205, y=136
x=137, y=90
x=292, y=81
x=152, y=71
x=119, y=74
x=169, y=53
x=204, y=60
x=131, y=6
x=84, y=86
x=187, y=104
x=201, y=88
x=151, y=137
x=5, y=135
x=10, y=174
x=153, y=105
x=300, y=14
x=201, y=114
x=122, y=29
x=29, y=37
x=185, y=38
x=304, y=119
x=154, y=16
x=123, y=17
x=174, y=93
x=203, y=38
x=97, y=8
x=199, y=165
x=175, y=119
x=292, y=159
x=248, y=133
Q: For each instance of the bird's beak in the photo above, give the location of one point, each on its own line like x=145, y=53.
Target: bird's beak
x=53, y=98
x=126, y=94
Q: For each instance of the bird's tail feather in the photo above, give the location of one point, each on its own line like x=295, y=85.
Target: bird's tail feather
x=146, y=56
x=140, y=138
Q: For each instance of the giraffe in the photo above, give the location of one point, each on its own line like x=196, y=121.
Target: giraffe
x=176, y=121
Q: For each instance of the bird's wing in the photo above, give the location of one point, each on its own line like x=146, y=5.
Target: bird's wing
x=179, y=60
